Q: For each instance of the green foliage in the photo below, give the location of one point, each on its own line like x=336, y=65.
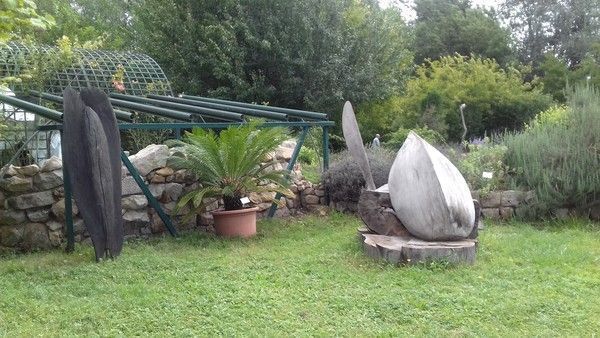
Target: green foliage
x=229, y=165
x=308, y=156
x=488, y=158
x=560, y=160
x=344, y=179
x=555, y=115
x=396, y=139
x=446, y=27
x=305, y=277
x=495, y=99
x=19, y=20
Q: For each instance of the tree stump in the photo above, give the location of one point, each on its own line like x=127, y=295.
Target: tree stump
x=375, y=210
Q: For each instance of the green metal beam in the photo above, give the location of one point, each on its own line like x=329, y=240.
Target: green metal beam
x=151, y=200
x=174, y=114
x=290, y=167
x=290, y=112
x=242, y=110
x=214, y=113
x=189, y=125
x=48, y=113
x=121, y=115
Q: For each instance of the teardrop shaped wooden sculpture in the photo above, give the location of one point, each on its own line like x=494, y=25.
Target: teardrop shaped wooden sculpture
x=429, y=195
x=88, y=158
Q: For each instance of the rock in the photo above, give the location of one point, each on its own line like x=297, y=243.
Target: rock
x=58, y=209
x=33, y=200
x=311, y=199
x=55, y=237
x=129, y=186
x=51, y=164
x=156, y=190
x=10, y=171
x=166, y=171
x=410, y=250
x=78, y=226
x=158, y=179
x=12, y=217
x=48, y=180
x=173, y=191
x=492, y=199
x=28, y=170
x=169, y=208
x=17, y=184
x=512, y=198
x=308, y=191
x=38, y=215
x=152, y=157
x=491, y=213
x=134, y=202
x=430, y=196
x=136, y=216
x=11, y=236
x=506, y=213
x=320, y=192
x=211, y=204
x=475, y=195
x=2, y=199
x=35, y=236
x=53, y=226
x=255, y=197
x=284, y=153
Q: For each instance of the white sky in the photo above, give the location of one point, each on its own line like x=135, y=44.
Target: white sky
x=409, y=14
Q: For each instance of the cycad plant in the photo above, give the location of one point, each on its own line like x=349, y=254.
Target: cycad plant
x=230, y=165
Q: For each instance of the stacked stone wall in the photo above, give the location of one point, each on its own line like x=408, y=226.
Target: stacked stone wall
x=32, y=205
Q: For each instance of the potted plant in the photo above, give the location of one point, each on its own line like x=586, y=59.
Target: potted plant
x=229, y=166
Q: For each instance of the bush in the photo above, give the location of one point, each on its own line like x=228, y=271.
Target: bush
x=484, y=158
x=560, y=161
x=344, y=179
x=397, y=138
x=555, y=115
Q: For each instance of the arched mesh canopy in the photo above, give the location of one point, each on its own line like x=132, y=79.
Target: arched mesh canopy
x=89, y=68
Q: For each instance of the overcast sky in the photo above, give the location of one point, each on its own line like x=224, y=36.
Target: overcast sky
x=409, y=14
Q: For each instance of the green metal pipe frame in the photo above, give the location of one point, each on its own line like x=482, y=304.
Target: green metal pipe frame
x=121, y=115
x=290, y=112
x=242, y=110
x=174, y=114
x=289, y=168
x=33, y=108
x=219, y=114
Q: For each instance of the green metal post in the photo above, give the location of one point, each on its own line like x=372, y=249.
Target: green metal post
x=325, y=148
x=290, y=167
x=151, y=200
x=326, y=157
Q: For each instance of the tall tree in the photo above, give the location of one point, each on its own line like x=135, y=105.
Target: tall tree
x=445, y=27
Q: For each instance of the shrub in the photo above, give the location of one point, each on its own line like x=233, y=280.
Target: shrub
x=344, y=179
x=484, y=158
x=397, y=138
x=554, y=115
x=560, y=161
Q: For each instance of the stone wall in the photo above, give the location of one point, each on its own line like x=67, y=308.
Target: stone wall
x=32, y=212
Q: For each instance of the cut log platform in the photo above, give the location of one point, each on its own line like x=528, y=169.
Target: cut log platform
x=409, y=250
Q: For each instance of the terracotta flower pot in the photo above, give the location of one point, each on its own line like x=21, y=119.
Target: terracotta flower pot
x=235, y=223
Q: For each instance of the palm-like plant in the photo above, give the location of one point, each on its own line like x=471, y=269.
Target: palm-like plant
x=230, y=165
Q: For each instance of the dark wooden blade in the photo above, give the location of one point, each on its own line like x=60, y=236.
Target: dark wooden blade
x=78, y=156
x=99, y=102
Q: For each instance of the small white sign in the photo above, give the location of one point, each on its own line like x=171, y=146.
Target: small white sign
x=245, y=200
x=487, y=174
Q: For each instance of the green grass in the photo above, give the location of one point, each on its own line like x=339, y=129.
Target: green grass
x=309, y=277
x=311, y=173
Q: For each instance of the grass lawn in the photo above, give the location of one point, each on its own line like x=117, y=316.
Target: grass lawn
x=309, y=277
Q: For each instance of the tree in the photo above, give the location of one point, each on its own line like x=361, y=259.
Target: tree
x=452, y=26
x=495, y=99
x=19, y=19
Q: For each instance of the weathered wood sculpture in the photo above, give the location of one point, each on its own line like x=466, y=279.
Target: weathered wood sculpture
x=424, y=213
x=91, y=140
x=429, y=195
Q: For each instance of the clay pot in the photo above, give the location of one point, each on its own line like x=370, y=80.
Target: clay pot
x=235, y=223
